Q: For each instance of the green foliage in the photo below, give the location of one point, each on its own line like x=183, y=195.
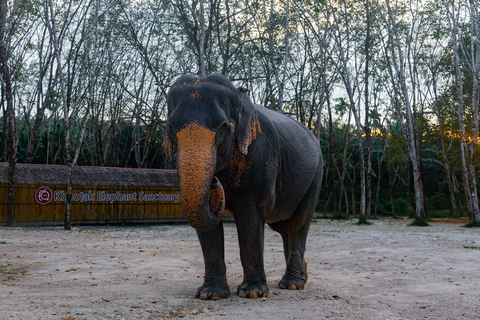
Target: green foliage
x=339, y=215
x=411, y=211
x=440, y=214
x=321, y=201
x=363, y=221
x=419, y=222
x=401, y=206
x=441, y=199
x=321, y=217
x=472, y=224
x=49, y=146
x=381, y=209
x=341, y=107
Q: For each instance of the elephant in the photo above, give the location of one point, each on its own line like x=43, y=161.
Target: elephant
x=259, y=164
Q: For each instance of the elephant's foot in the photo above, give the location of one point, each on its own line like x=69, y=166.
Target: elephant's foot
x=210, y=292
x=252, y=290
x=292, y=282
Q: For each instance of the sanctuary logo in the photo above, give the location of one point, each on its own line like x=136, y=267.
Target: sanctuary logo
x=43, y=195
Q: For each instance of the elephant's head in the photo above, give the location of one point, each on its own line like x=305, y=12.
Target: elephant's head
x=207, y=119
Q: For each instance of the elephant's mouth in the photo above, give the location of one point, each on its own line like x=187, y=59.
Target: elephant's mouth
x=217, y=198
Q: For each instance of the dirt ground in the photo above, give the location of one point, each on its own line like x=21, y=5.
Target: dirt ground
x=387, y=270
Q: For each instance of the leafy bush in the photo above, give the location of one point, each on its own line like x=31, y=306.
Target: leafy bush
x=441, y=199
x=421, y=222
x=382, y=210
x=472, y=224
x=401, y=206
x=320, y=205
x=319, y=215
x=411, y=211
x=339, y=215
x=363, y=221
x=440, y=214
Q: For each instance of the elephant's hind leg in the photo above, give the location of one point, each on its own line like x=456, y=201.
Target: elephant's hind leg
x=294, y=241
x=294, y=234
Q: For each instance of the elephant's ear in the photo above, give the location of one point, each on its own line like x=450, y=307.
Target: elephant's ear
x=248, y=125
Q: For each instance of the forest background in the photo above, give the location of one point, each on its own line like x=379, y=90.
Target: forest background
x=390, y=88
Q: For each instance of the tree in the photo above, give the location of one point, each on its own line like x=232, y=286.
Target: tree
x=337, y=21
x=395, y=56
x=12, y=30
x=6, y=33
x=78, y=78
x=467, y=155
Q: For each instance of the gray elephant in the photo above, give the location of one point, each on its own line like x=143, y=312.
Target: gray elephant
x=260, y=164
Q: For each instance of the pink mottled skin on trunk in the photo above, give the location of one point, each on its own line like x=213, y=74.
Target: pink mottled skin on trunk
x=196, y=165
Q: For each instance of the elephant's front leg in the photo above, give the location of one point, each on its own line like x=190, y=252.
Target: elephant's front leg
x=250, y=235
x=215, y=285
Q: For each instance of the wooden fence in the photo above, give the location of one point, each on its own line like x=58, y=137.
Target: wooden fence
x=100, y=195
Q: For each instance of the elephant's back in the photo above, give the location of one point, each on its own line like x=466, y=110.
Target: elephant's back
x=292, y=135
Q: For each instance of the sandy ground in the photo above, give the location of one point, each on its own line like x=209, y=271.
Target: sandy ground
x=384, y=271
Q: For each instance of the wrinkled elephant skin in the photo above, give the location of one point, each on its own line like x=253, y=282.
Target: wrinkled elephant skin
x=263, y=166
x=196, y=163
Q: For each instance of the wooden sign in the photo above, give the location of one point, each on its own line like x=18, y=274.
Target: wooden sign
x=100, y=195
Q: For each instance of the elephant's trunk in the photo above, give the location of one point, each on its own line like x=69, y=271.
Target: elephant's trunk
x=203, y=199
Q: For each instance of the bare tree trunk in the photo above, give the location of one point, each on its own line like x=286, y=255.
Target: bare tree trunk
x=392, y=177
x=379, y=173
x=269, y=21
x=43, y=98
x=475, y=54
x=352, y=191
x=398, y=63
x=8, y=93
x=202, y=39
x=346, y=202
x=341, y=65
x=50, y=21
x=448, y=169
x=288, y=45
x=470, y=191
x=332, y=164
x=346, y=141
x=366, y=127
x=4, y=133
x=361, y=155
